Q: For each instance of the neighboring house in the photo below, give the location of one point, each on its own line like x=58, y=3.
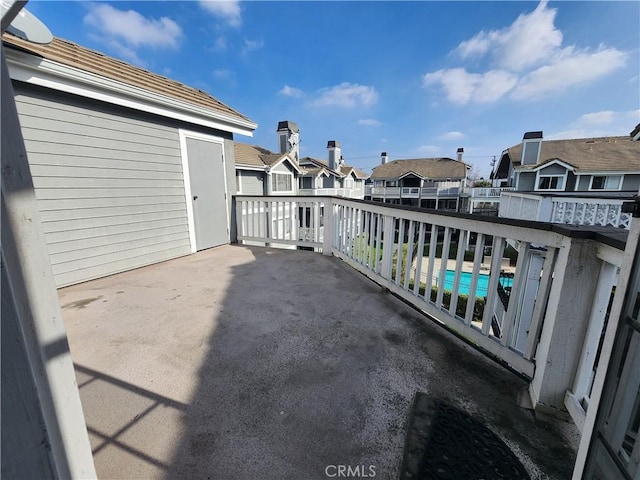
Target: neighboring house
x=129, y=167
x=331, y=177
x=578, y=181
x=260, y=171
x=421, y=182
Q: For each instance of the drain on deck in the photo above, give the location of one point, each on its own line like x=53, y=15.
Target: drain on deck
x=445, y=443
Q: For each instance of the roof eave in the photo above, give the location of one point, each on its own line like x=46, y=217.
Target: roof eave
x=35, y=70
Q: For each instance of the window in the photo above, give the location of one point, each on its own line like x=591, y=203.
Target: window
x=281, y=182
x=348, y=183
x=306, y=182
x=606, y=182
x=551, y=182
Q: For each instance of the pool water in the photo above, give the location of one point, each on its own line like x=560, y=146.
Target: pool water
x=465, y=282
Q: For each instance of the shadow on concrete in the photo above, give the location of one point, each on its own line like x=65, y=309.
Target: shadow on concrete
x=304, y=365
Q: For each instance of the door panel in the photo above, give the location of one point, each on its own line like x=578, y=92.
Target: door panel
x=208, y=192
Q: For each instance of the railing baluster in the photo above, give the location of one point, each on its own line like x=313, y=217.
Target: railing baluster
x=477, y=262
x=409, y=261
x=514, y=299
x=417, y=278
x=379, y=248
x=370, y=242
x=444, y=259
x=541, y=301
x=462, y=241
x=433, y=243
x=399, y=253
x=492, y=290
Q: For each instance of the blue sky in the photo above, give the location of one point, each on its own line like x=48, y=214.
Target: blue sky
x=415, y=79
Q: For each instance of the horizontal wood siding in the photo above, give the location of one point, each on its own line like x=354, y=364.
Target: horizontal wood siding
x=253, y=183
x=109, y=185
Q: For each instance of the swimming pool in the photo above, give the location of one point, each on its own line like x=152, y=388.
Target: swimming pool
x=465, y=282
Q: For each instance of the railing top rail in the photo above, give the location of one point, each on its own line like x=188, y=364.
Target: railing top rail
x=590, y=196
x=613, y=237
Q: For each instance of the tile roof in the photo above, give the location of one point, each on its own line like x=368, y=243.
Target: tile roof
x=603, y=154
x=253, y=155
x=74, y=55
x=344, y=171
x=433, y=168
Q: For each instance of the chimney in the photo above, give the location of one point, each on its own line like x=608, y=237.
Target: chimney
x=383, y=158
x=531, y=145
x=460, y=152
x=334, y=154
x=289, y=139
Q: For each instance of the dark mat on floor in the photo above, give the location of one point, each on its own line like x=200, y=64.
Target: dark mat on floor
x=444, y=442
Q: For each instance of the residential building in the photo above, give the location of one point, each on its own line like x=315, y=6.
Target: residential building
x=126, y=164
x=577, y=181
x=260, y=171
x=420, y=182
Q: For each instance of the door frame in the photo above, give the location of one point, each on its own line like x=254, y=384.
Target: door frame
x=184, y=135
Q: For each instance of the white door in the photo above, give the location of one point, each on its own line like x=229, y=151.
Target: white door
x=208, y=192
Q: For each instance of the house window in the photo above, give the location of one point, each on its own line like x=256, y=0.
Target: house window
x=551, y=182
x=306, y=182
x=606, y=182
x=348, y=183
x=281, y=182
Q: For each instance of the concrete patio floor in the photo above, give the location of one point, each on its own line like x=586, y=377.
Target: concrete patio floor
x=255, y=363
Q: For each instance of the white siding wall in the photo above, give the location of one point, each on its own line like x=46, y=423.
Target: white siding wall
x=110, y=188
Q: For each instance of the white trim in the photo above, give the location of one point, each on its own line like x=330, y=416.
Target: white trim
x=591, y=189
x=238, y=182
x=184, y=134
x=277, y=192
x=555, y=161
x=27, y=68
x=609, y=172
x=556, y=175
x=411, y=172
x=250, y=167
x=291, y=162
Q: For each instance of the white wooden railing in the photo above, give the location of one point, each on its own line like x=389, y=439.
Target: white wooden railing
x=606, y=212
x=337, y=192
x=492, y=193
x=548, y=329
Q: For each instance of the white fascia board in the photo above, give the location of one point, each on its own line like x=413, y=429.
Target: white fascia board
x=46, y=73
x=568, y=166
x=602, y=173
x=250, y=167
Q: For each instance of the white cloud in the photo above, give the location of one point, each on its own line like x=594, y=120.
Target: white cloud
x=463, y=87
x=288, y=91
x=599, y=124
x=346, y=95
x=227, y=10
x=568, y=69
x=452, y=136
x=528, y=41
x=132, y=27
x=222, y=74
x=251, y=46
x=428, y=149
x=528, y=62
x=369, y=122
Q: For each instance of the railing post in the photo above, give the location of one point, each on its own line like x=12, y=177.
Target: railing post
x=329, y=219
x=565, y=324
x=387, y=247
x=545, y=209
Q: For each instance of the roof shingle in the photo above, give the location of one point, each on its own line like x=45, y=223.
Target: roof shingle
x=74, y=55
x=433, y=168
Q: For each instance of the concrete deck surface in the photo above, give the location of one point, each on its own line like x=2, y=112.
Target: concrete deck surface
x=254, y=363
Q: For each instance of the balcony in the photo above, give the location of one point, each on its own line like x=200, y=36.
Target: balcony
x=443, y=190
x=254, y=362
x=486, y=193
x=566, y=209
x=333, y=192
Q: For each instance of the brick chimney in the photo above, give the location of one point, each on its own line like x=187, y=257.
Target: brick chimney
x=460, y=152
x=334, y=154
x=383, y=158
x=289, y=139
